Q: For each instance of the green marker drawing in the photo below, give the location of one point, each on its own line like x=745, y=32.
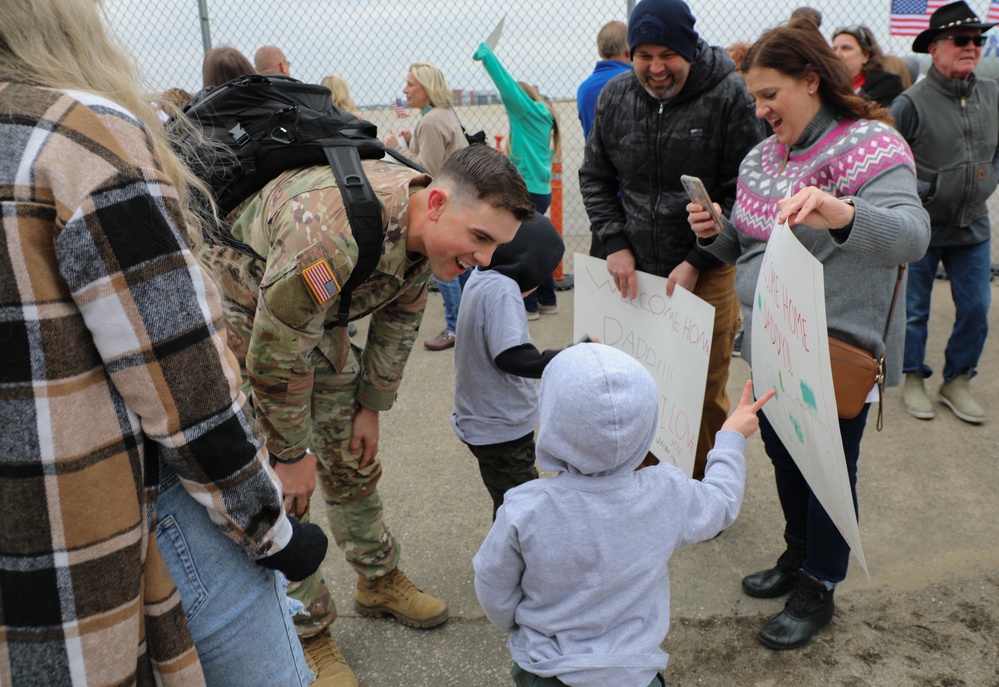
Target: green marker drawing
x=759, y=301
x=797, y=429
x=780, y=380
x=808, y=396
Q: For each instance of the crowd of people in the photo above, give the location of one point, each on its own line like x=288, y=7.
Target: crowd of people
x=172, y=404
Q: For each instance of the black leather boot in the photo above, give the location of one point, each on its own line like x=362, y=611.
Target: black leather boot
x=809, y=608
x=782, y=578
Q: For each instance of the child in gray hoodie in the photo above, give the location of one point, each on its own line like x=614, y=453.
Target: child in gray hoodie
x=583, y=592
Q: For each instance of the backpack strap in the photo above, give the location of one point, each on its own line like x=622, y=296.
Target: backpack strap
x=364, y=213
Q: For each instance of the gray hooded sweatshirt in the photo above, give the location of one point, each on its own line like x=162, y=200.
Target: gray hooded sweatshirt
x=574, y=568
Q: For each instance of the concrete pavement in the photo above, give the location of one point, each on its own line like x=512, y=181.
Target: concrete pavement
x=928, y=500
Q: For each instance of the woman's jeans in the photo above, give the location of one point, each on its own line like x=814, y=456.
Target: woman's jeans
x=545, y=293
x=827, y=552
x=236, y=610
x=969, y=269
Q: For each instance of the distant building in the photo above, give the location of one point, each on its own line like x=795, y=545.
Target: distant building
x=463, y=97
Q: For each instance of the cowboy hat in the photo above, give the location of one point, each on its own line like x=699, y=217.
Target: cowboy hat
x=956, y=15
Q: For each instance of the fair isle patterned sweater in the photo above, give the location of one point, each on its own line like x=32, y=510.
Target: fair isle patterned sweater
x=868, y=161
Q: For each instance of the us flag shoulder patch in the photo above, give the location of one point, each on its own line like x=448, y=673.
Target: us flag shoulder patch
x=321, y=282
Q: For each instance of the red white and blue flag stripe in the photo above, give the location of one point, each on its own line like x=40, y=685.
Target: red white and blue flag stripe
x=321, y=282
x=992, y=17
x=909, y=17
x=400, y=111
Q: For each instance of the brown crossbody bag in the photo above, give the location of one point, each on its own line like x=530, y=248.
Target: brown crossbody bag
x=855, y=371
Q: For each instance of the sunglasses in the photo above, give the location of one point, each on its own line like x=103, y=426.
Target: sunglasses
x=858, y=32
x=962, y=41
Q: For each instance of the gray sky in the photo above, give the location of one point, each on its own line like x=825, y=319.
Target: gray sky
x=371, y=42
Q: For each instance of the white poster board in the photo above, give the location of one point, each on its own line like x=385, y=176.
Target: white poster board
x=671, y=336
x=790, y=353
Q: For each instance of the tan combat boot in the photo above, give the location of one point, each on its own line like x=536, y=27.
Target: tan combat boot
x=956, y=395
x=914, y=396
x=394, y=594
x=325, y=660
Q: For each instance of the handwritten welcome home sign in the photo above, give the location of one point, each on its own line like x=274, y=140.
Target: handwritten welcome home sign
x=671, y=336
x=790, y=346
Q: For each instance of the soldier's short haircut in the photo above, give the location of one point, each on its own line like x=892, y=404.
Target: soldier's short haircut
x=612, y=40
x=481, y=173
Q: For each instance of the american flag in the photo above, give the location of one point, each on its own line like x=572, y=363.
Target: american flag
x=993, y=15
x=321, y=282
x=909, y=17
x=400, y=111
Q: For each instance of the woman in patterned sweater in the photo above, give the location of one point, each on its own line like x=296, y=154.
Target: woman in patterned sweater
x=115, y=385
x=853, y=205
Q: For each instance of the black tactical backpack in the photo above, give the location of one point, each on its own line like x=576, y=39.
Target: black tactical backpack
x=268, y=124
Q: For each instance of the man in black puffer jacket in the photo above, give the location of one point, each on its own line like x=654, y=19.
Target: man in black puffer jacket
x=681, y=110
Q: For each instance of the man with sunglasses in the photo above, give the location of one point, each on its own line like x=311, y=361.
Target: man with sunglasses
x=951, y=121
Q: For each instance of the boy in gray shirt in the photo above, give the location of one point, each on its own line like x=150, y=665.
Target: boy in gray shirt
x=575, y=566
x=495, y=364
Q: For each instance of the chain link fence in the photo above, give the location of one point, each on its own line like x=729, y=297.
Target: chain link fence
x=370, y=44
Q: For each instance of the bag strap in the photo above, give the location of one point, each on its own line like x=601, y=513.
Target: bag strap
x=881, y=363
x=468, y=136
x=364, y=213
x=894, y=298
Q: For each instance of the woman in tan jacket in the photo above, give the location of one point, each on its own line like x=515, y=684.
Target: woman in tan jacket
x=434, y=138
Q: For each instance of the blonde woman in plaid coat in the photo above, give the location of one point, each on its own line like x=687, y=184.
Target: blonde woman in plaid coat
x=114, y=373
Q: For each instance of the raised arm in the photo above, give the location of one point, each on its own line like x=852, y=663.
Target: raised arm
x=515, y=100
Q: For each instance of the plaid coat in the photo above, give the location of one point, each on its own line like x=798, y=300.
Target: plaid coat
x=113, y=358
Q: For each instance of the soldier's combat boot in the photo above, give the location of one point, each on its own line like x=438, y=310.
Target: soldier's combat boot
x=395, y=595
x=325, y=660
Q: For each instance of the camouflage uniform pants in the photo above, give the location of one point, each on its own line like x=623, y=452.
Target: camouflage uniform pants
x=353, y=506
x=505, y=466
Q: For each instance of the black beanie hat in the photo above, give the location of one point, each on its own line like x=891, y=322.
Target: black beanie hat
x=532, y=255
x=668, y=23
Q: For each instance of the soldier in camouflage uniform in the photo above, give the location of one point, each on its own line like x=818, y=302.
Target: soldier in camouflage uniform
x=311, y=387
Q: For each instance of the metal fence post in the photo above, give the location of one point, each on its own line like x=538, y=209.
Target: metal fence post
x=206, y=30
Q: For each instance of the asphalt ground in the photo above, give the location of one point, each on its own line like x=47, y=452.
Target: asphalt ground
x=929, y=522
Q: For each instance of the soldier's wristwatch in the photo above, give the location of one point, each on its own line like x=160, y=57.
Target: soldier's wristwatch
x=289, y=461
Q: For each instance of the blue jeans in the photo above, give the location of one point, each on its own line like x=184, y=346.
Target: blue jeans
x=545, y=293
x=451, y=293
x=969, y=269
x=237, y=610
x=827, y=553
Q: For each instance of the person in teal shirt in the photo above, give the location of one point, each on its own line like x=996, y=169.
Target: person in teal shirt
x=533, y=142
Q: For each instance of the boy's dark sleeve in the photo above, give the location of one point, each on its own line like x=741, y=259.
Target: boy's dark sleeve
x=524, y=360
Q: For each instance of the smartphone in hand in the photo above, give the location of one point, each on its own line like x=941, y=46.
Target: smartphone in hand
x=698, y=194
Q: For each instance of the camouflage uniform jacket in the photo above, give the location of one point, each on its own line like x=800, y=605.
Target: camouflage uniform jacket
x=282, y=312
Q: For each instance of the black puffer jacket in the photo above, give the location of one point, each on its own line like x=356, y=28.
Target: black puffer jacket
x=641, y=145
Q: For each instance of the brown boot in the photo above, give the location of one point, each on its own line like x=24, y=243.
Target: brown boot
x=325, y=660
x=394, y=594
